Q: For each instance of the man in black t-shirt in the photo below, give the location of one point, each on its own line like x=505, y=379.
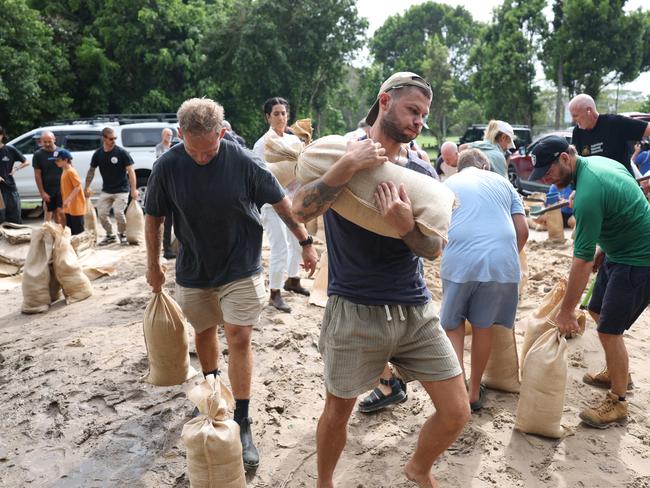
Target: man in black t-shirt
x=214, y=188
x=9, y=155
x=48, y=178
x=604, y=135
x=114, y=163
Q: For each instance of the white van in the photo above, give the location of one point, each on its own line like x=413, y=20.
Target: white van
x=82, y=140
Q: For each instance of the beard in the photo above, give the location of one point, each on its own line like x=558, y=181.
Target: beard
x=565, y=179
x=391, y=128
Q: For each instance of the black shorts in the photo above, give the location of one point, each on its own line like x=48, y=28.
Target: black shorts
x=55, y=201
x=75, y=222
x=621, y=294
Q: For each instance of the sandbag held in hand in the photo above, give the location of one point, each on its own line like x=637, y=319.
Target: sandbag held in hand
x=134, y=223
x=432, y=202
x=167, y=343
x=281, y=154
x=213, y=448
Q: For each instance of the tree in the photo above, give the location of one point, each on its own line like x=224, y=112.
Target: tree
x=437, y=72
x=31, y=69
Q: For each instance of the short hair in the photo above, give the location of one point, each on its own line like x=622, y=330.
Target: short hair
x=399, y=92
x=267, y=108
x=199, y=116
x=582, y=101
x=472, y=158
x=227, y=125
x=107, y=131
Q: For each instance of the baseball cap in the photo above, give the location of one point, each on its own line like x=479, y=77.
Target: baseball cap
x=544, y=152
x=506, y=128
x=61, y=154
x=396, y=80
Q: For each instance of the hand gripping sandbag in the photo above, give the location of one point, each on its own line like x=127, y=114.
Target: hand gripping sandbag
x=67, y=269
x=281, y=156
x=167, y=344
x=213, y=448
x=134, y=223
x=432, y=202
x=543, y=384
x=502, y=369
x=38, y=292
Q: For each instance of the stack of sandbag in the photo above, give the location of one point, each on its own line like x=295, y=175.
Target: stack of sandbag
x=40, y=287
x=134, y=223
x=281, y=154
x=502, y=369
x=167, y=343
x=432, y=202
x=90, y=219
x=65, y=263
x=214, y=452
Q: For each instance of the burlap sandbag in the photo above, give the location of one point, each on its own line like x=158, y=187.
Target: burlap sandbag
x=318, y=293
x=555, y=225
x=543, y=383
x=502, y=369
x=36, y=272
x=281, y=154
x=9, y=266
x=16, y=233
x=134, y=223
x=303, y=130
x=67, y=269
x=90, y=218
x=213, y=448
x=432, y=202
x=166, y=340
x=523, y=265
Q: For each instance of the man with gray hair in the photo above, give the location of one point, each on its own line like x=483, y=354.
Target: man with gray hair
x=214, y=189
x=480, y=266
x=605, y=135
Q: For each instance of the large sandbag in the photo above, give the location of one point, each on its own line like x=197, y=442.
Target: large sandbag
x=281, y=154
x=502, y=369
x=167, y=343
x=67, y=269
x=134, y=223
x=36, y=272
x=555, y=225
x=213, y=448
x=318, y=293
x=90, y=218
x=15, y=233
x=432, y=202
x=543, y=383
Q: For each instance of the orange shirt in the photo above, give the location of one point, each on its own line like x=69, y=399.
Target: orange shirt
x=69, y=181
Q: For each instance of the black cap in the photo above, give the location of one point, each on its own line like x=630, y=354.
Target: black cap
x=544, y=152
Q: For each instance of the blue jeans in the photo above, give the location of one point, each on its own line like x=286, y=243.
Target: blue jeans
x=11, y=212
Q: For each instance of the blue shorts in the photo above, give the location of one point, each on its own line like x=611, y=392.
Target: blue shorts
x=482, y=304
x=621, y=294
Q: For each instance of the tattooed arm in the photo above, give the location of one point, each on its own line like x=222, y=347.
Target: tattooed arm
x=316, y=197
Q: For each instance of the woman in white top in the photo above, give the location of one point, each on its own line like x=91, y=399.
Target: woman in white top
x=285, y=249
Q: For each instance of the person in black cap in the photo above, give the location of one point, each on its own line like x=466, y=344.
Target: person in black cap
x=612, y=236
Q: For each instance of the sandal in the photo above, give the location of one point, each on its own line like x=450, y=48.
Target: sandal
x=377, y=400
x=478, y=404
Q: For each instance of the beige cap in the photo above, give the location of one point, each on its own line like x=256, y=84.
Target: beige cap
x=397, y=80
x=506, y=128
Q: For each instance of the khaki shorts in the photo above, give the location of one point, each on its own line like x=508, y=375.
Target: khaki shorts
x=357, y=341
x=238, y=303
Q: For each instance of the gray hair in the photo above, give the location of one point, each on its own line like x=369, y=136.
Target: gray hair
x=199, y=116
x=472, y=158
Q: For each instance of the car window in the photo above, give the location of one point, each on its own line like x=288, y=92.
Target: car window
x=141, y=137
x=27, y=145
x=82, y=141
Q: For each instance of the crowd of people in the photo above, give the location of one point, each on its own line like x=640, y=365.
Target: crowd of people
x=380, y=328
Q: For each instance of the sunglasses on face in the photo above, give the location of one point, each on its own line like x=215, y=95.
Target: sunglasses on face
x=110, y=138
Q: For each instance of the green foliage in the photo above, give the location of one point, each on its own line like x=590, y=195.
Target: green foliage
x=437, y=72
x=645, y=107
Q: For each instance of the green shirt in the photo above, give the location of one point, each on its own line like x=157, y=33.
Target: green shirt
x=610, y=211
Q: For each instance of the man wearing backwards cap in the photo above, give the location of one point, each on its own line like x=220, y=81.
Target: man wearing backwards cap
x=379, y=308
x=610, y=212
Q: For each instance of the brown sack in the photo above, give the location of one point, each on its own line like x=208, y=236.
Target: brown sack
x=555, y=225
x=213, y=448
x=281, y=156
x=523, y=265
x=432, y=202
x=502, y=369
x=167, y=343
x=318, y=293
x=36, y=273
x=16, y=233
x=543, y=383
x=303, y=130
x=134, y=223
x=69, y=273
x=90, y=218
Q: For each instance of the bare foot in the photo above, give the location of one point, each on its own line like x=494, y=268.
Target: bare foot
x=423, y=480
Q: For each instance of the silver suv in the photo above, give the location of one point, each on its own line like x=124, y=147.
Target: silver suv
x=83, y=139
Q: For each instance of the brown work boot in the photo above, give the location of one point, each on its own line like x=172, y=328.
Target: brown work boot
x=611, y=411
x=293, y=284
x=277, y=301
x=601, y=380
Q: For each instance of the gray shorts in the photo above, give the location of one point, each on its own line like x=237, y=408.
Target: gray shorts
x=482, y=304
x=356, y=342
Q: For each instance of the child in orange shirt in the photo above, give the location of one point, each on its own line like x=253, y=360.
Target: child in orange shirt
x=74, y=201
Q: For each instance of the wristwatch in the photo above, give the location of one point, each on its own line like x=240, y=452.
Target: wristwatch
x=307, y=242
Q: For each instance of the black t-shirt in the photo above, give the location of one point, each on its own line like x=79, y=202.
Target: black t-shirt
x=609, y=138
x=371, y=269
x=216, y=214
x=112, y=166
x=8, y=157
x=50, y=172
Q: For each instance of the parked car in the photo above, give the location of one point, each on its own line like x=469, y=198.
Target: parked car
x=83, y=139
x=523, y=135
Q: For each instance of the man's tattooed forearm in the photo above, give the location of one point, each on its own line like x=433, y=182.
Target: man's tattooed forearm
x=318, y=197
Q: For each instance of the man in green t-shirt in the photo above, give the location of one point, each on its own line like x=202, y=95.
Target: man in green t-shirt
x=612, y=236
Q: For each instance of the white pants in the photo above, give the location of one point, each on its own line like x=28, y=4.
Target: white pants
x=116, y=201
x=286, y=253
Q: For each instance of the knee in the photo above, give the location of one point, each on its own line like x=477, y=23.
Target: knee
x=239, y=338
x=337, y=411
